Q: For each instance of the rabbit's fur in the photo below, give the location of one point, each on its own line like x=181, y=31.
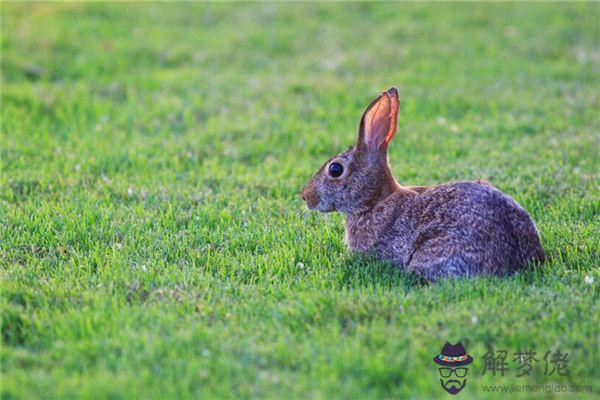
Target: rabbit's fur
x=454, y=229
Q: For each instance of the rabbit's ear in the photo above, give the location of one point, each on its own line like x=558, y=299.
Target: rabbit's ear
x=379, y=122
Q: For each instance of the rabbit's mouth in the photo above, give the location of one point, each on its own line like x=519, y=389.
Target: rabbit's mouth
x=310, y=196
x=314, y=203
x=311, y=200
x=320, y=206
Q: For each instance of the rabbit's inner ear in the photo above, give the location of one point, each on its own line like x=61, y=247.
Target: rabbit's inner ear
x=379, y=122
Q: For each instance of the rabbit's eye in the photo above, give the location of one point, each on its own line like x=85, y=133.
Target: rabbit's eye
x=336, y=170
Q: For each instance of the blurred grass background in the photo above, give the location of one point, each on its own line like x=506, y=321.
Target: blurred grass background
x=152, y=242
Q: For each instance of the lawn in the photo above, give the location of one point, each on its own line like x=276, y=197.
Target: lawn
x=152, y=241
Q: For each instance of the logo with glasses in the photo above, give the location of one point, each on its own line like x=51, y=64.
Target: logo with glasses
x=453, y=360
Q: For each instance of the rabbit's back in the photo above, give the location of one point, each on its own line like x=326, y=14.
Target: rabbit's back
x=469, y=228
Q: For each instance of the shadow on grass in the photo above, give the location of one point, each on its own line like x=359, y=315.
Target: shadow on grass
x=365, y=271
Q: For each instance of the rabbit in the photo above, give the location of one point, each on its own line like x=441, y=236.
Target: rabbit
x=456, y=229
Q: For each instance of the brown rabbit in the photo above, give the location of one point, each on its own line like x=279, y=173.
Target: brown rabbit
x=454, y=229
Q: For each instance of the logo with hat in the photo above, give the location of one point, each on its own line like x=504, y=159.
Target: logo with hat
x=453, y=360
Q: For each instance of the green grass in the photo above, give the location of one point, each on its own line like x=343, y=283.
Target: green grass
x=153, y=243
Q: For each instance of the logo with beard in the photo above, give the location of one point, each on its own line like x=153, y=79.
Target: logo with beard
x=453, y=360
